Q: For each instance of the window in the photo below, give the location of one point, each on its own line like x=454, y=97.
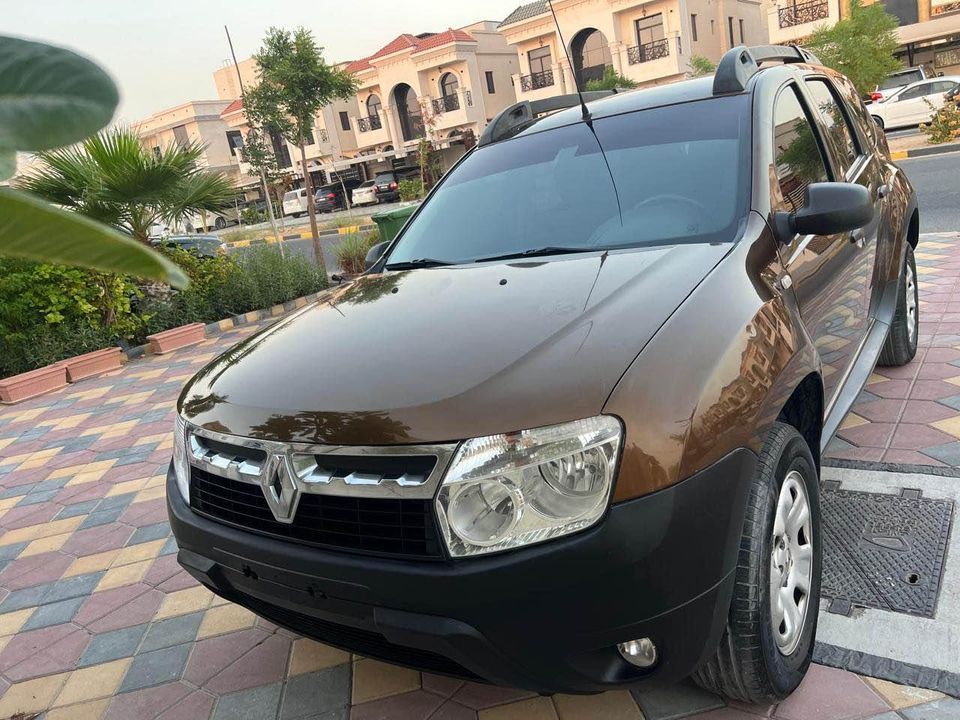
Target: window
x=539, y=60
x=839, y=136
x=156, y=151
x=944, y=86
x=712, y=30
x=344, y=120
x=741, y=31
x=649, y=29
x=234, y=140
x=799, y=160
x=654, y=183
x=373, y=106
x=180, y=135
x=449, y=84
x=693, y=26
x=730, y=29
x=490, y=87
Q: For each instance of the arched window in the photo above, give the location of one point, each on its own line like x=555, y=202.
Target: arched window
x=373, y=106
x=449, y=84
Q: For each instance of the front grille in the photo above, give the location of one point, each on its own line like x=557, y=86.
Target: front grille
x=362, y=642
x=397, y=527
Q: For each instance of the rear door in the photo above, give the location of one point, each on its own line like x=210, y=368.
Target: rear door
x=910, y=106
x=829, y=273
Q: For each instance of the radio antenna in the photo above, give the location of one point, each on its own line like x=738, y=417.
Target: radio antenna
x=576, y=79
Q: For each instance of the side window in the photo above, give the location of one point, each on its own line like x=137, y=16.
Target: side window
x=918, y=91
x=839, y=136
x=859, y=113
x=942, y=86
x=799, y=161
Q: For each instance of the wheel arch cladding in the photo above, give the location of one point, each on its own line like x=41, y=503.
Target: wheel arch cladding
x=804, y=411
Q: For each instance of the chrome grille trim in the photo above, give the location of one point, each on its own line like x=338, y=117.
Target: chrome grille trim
x=309, y=477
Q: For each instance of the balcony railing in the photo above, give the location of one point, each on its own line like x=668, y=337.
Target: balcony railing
x=800, y=13
x=446, y=103
x=366, y=124
x=648, y=51
x=537, y=80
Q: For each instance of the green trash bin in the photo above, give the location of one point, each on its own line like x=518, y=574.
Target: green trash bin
x=391, y=221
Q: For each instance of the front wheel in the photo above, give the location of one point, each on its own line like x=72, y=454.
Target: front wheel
x=878, y=120
x=768, y=641
x=901, y=343
x=219, y=223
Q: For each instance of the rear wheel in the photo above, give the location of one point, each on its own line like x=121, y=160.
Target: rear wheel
x=219, y=223
x=768, y=641
x=901, y=342
x=878, y=120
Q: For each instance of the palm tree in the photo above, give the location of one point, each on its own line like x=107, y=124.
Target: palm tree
x=110, y=177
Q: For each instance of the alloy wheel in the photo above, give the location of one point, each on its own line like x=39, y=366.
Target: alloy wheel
x=912, y=315
x=791, y=563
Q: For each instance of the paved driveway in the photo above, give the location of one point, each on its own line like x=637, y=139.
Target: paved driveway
x=97, y=620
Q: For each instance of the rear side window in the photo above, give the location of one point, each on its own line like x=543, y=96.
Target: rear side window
x=798, y=158
x=290, y=196
x=901, y=79
x=839, y=134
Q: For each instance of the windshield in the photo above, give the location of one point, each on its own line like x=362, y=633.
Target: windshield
x=676, y=174
x=898, y=79
x=290, y=196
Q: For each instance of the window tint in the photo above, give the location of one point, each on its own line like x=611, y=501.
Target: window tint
x=839, y=135
x=554, y=188
x=798, y=158
x=917, y=91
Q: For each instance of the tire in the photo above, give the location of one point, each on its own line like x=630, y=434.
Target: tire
x=219, y=223
x=878, y=120
x=754, y=663
x=296, y=215
x=901, y=343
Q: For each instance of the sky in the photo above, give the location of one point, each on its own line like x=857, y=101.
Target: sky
x=163, y=52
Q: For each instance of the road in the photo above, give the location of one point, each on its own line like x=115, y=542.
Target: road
x=937, y=181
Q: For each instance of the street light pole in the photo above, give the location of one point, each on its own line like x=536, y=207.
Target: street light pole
x=263, y=175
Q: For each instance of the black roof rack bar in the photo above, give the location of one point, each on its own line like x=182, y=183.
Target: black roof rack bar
x=526, y=111
x=739, y=64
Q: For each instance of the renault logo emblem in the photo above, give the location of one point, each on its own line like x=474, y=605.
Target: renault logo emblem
x=280, y=488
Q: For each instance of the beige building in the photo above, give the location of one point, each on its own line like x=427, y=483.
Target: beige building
x=197, y=121
x=650, y=42
x=929, y=31
x=432, y=84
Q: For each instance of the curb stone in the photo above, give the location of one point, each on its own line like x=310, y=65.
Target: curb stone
x=924, y=151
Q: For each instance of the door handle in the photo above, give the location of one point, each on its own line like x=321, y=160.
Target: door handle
x=858, y=238
x=883, y=191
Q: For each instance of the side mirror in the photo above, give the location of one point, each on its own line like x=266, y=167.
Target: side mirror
x=829, y=208
x=374, y=254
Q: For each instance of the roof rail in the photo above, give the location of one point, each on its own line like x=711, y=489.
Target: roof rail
x=526, y=111
x=739, y=64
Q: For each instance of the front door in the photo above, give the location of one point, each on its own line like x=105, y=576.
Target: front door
x=830, y=273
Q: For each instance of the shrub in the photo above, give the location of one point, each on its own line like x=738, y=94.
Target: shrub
x=611, y=80
x=252, y=216
x=945, y=124
x=49, y=313
x=411, y=189
x=352, y=251
x=232, y=236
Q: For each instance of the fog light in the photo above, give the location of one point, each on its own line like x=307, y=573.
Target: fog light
x=642, y=652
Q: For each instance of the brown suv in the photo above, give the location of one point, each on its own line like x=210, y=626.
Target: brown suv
x=565, y=433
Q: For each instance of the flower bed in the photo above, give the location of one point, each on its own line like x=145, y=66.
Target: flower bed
x=49, y=313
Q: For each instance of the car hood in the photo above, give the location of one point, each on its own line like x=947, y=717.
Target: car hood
x=440, y=354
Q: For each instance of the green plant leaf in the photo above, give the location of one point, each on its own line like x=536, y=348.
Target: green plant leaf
x=50, y=96
x=34, y=230
x=8, y=163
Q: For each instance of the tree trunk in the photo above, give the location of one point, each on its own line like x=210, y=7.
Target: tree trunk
x=273, y=220
x=311, y=208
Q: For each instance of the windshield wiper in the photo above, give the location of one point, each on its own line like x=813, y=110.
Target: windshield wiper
x=536, y=252
x=418, y=263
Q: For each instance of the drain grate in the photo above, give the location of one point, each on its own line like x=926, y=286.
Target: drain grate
x=883, y=551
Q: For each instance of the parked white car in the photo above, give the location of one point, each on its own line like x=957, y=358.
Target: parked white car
x=899, y=79
x=295, y=202
x=365, y=194
x=914, y=104
x=204, y=222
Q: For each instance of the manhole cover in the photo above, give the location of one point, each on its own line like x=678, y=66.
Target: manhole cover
x=883, y=551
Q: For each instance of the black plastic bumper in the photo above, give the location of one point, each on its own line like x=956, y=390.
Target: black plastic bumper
x=546, y=618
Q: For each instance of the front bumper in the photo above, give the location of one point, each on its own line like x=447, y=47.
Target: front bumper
x=545, y=618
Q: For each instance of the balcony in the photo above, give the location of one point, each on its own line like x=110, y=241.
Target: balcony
x=366, y=124
x=648, y=51
x=800, y=13
x=446, y=103
x=536, y=81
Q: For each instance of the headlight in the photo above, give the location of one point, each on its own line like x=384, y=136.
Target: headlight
x=505, y=491
x=181, y=465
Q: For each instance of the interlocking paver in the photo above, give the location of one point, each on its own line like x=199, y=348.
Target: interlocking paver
x=83, y=520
